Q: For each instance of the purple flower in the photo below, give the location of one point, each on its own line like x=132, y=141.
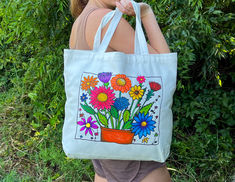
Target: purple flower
x=88, y=125
x=104, y=77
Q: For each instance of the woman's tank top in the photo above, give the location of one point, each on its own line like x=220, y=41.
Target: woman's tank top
x=78, y=36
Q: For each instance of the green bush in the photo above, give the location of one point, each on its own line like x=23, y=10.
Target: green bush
x=33, y=35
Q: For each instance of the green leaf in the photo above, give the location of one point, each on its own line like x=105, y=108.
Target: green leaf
x=146, y=109
x=103, y=119
x=88, y=109
x=114, y=112
x=127, y=125
x=126, y=115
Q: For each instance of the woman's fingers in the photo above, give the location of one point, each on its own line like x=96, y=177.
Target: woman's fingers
x=128, y=6
x=125, y=7
x=120, y=7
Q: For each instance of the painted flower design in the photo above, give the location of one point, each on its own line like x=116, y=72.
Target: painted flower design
x=154, y=86
x=83, y=97
x=141, y=79
x=121, y=103
x=89, y=82
x=143, y=125
x=87, y=125
x=121, y=83
x=102, y=98
x=136, y=92
x=104, y=77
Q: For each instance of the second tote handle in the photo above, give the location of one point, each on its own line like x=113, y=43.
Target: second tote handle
x=140, y=41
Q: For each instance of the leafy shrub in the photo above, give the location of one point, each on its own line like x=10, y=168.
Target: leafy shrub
x=203, y=124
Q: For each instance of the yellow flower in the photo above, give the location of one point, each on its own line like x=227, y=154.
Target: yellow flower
x=136, y=92
x=145, y=140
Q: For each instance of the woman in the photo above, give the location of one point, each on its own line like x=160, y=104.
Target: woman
x=88, y=17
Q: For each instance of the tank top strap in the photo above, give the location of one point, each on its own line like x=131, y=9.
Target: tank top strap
x=82, y=26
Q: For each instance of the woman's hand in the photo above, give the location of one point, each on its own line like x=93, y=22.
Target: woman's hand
x=126, y=7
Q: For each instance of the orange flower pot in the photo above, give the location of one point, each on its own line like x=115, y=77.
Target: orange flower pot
x=117, y=136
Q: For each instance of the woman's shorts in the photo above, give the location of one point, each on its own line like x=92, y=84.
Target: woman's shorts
x=124, y=170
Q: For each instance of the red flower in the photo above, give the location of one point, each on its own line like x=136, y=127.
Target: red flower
x=154, y=86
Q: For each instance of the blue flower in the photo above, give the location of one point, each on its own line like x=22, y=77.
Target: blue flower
x=84, y=97
x=143, y=125
x=121, y=103
x=104, y=77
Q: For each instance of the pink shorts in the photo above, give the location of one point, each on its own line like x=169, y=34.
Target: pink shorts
x=124, y=170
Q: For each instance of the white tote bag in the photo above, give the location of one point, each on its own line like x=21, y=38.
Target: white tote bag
x=118, y=106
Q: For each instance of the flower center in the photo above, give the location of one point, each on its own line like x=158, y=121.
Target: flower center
x=102, y=97
x=88, y=83
x=88, y=125
x=136, y=92
x=143, y=123
x=121, y=81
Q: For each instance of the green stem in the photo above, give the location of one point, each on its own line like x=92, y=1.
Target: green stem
x=105, y=112
x=111, y=118
x=119, y=122
x=97, y=120
x=116, y=123
x=89, y=91
x=120, y=94
x=143, y=104
x=131, y=104
x=133, y=113
x=147, y=98
x=112, y=122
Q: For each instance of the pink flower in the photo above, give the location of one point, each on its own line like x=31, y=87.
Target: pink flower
x=141, y=79
x=88, y=125
x=102, y=98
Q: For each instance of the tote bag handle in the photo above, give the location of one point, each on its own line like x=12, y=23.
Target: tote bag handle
x=140, y=41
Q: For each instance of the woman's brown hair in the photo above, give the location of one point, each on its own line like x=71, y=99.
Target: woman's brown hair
x=76, y=7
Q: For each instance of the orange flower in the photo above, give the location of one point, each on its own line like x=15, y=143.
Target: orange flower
x=89, y=82
x=121, y=82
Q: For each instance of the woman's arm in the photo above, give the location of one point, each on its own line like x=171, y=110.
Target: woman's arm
x=124, y=36
x=155, y=36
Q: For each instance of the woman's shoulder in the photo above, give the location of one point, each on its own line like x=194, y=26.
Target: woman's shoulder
x=96, y=14
x=92, y=23
x=123, y=38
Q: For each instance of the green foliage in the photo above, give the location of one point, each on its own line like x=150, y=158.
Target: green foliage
x=33, y=35
x=114, y=112
x=202, y=33
x=103, y=119
x=203, y=136
x=146, y=109
x=126, y=115
x=88, y=109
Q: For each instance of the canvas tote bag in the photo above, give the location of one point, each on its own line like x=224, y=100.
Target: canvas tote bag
x=118, y=106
